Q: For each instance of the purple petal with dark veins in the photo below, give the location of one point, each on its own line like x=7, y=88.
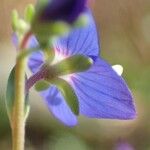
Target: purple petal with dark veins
x=58, y=106
x=102, y=93
x=54, y=100
x=83, y=40
x=36, y=59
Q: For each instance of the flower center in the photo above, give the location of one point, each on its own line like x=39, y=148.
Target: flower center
x=59, y=57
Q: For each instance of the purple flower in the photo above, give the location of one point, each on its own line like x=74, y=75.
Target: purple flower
x=62, y=10
x=101, y=92
x=124, y=146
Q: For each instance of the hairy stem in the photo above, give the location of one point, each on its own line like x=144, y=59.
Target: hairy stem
x=18, y=116
x=18, y=124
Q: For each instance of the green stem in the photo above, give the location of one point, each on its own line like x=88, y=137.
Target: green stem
x=18, y=116
x=18, y=121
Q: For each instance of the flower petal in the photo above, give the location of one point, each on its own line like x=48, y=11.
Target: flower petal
x=83, y=40
x=15, y=39
x=123, y=146
x=37, y=58
x=58, y=106
x=102, y=93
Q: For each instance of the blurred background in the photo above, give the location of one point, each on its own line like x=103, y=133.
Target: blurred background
x=124, y=27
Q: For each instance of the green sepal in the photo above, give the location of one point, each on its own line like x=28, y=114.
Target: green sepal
x=82, y=21
x=49, y=54
x=10, y=95
x=14, y=20
x=68, y=93
x=60, y=28
x=29, y=13
x=41, y=85
x=73, y=64
x=19, y=25
x=46, y=31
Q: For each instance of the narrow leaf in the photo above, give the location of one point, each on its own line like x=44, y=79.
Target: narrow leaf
x=10, y=92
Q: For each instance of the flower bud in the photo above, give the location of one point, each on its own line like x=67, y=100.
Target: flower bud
x=64, y=10
x=54, y=18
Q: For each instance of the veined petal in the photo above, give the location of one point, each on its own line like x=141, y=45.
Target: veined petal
x=37, y=58
x=58, y=106
x=83, y=40
x=54, y=100
x=102, y=93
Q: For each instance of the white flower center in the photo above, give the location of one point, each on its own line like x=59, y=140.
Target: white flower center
x=59, y=57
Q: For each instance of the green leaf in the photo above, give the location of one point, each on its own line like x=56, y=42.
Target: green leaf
x=68, y=93
x=76, y=63
x=10, y=92
x=10, y=95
